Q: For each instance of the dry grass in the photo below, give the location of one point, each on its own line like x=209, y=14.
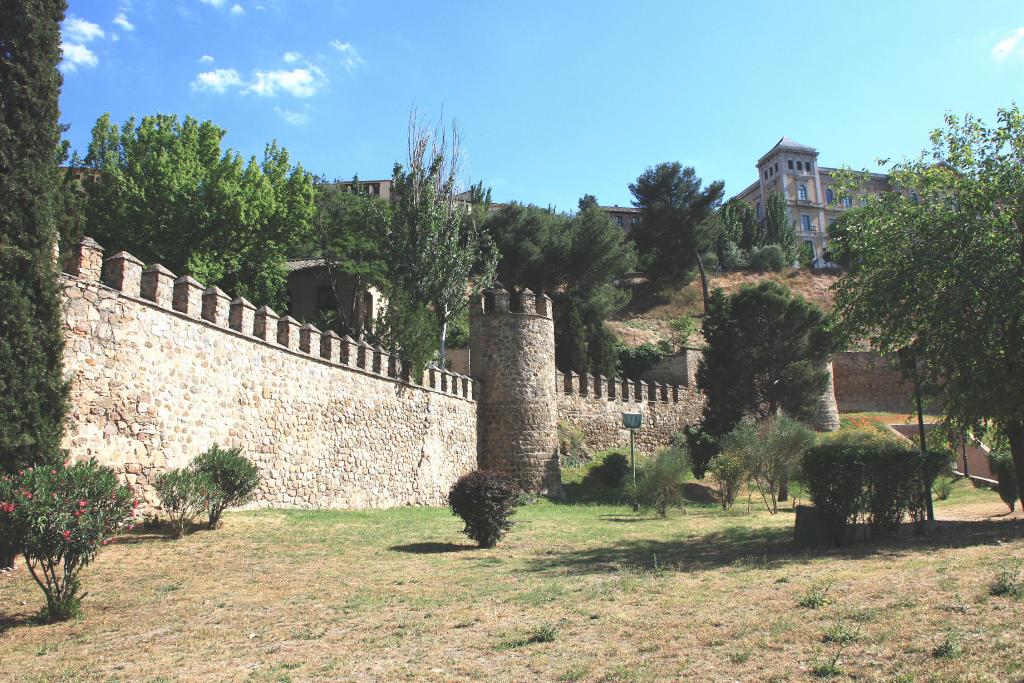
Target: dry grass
x=647, y=318
x=576, y=592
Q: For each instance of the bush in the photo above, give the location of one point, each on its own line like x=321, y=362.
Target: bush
x=235, y=477
x=767, y=258
x=634, y=361
x=943, y=487
x=1008, y=582
x=892, y=486
x=730, y=472
x=703, y=446
x=833, y=473
x=185, y=494
x=572, y=445
x=484, y=501
x=733, y=258
x=770, y=451
x=612, y=470
x=57, y=518
x=657, y=487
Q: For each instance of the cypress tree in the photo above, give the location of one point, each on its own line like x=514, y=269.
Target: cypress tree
x=33, y=393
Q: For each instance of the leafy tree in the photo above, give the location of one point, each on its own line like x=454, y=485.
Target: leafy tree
x=33, y=394
x=602, y=351
x=778, y=228
x=634, y=361
x=573, y=259
x=739, y=223
x=770, y=451
x=765, y=353
x=587, y=201
x=945, y=274
x=432, y=245
x=165, y=191
x=347, y=232
x=673, y=230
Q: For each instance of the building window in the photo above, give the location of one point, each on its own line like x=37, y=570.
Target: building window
x=635, y=220
x=790, y=164
x=914, y=198
x=847, y=202
x=830, y=196
x=766, y=175
x=618, y=221
x=801, y=193
x=776, y=167
x=758, y=209
x=799, y=165
x=808, y=166
x=805, y=222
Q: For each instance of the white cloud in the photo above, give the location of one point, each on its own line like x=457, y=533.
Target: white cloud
x=213, y=3
x=1009, y=46
x=81, y=31
x=350, y=54
x=206, y=59
x=218, y=80
x=237, y=9
x=76, y=55
x=298, y=82
x=292, y=117
x=122, y=20
x=290, y=57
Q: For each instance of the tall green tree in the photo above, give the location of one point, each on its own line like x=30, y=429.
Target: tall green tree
x=33, y=394
x=348, y=227
x=941, y=271
x=674, y=207
x=739, y=224
x=765, y=353
x=576, y=260
x=433, y=245
x=165, y=191
x=778, y=227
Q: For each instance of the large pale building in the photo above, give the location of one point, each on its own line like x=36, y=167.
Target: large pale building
x=792, y=169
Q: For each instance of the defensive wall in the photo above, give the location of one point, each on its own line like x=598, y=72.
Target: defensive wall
x=161, y=368
x=868, y=382
x=594, y=405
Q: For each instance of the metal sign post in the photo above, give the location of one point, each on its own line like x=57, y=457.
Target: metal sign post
x=632, y=422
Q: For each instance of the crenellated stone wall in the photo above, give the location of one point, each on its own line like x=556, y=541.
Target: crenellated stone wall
x=162, y=368
x=594, y=405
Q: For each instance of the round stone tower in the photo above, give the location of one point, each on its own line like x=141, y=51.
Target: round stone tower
x=512, y=359
x=827, y=418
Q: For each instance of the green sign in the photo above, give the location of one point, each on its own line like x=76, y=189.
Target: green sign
x=632, y=420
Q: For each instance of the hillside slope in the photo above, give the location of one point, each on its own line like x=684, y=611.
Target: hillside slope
x=647, y=319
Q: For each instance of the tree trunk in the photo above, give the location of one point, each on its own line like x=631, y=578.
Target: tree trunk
x=444, y=334
x=1015, y=435
x=927, y=493
x=703, y=280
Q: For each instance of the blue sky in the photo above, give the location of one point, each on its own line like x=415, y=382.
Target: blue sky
x=555, y=99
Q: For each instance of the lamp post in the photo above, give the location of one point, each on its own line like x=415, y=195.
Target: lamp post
x=632, y=422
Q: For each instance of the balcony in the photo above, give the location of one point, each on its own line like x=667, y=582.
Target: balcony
x=807, y=202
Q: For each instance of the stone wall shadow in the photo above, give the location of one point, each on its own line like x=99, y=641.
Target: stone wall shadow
x=765, y=548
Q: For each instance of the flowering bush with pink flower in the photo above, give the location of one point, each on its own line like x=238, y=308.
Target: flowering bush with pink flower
x=58, y=518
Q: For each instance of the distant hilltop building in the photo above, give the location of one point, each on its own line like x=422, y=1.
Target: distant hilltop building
x=792, y=169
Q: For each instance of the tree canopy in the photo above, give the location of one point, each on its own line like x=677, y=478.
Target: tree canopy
x=33, y=393
x=766, y=352
x=674, y=212
x=164, y=190
x=937, y=266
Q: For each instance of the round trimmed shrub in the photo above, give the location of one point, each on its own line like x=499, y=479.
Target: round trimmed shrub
x=235, y=476
x=612, y=470
x=485, y=501
x=58, y=518
x=767, y=258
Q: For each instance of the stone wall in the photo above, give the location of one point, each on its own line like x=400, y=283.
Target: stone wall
x=594, y=405
x=867, y=382
x=161, y=369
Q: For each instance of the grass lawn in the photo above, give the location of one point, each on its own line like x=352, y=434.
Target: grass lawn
x=575, y=592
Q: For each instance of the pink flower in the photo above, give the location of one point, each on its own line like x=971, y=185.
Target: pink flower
x=53, y=471
x=67, y=535
x=78, y=513
x=82, y=503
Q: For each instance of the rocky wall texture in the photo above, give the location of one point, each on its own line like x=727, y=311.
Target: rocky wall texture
x=594, y=405
x=327, y=426
x=866, y=382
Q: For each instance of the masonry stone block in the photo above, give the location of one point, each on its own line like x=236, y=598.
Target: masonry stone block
x=158, y=285
x=188, y=297
x=215, y=306
x=124, y=273
x=242, y=315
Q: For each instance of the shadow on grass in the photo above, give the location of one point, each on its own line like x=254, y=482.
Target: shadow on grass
x=17, y=621
x=627, y=519
x=154, y=533
x=431, y=548
x=765, y=548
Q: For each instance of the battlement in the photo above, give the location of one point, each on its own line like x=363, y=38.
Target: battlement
x=615, y=389
x=499, y=301
x=184, y=297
